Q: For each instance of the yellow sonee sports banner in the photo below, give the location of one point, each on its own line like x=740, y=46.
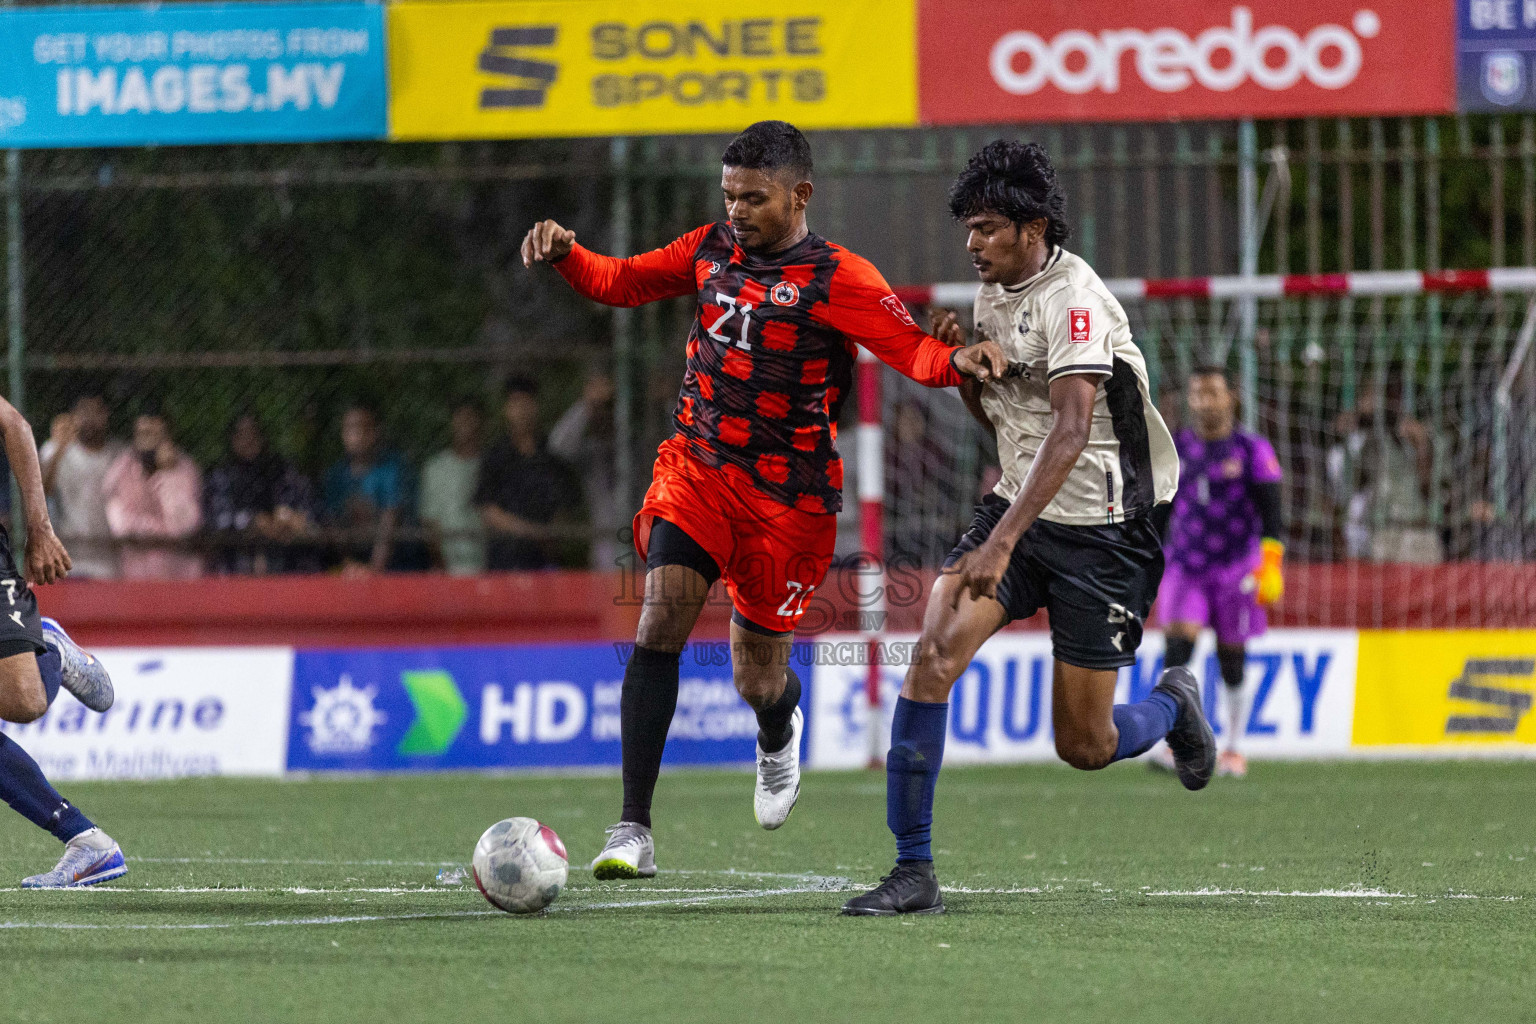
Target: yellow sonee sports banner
x=596, y=67
x=1445, y=687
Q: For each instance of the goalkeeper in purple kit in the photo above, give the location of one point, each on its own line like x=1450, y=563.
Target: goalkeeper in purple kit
x=1224, y=550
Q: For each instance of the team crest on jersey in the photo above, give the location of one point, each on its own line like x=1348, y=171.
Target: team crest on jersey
x=784, y=294
x=1023, y=323
x=1078, y=324
x=897, y=310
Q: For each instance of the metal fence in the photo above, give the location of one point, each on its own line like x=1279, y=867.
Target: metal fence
x=290, y=281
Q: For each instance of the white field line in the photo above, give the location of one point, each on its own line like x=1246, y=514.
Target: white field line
x=304, y=890
x=1338, y=894
x=299, y=863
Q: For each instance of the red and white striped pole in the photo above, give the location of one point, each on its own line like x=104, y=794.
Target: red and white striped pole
x=1271, y=286
x=871, y=609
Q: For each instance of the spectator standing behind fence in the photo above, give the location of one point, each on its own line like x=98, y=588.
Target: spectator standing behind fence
x=584, y=438
x=259, y=504
x=1381, y=473
x=447, y=501
x=154, y=504
x=522, y=488
x=75, y=462
x=365, y=493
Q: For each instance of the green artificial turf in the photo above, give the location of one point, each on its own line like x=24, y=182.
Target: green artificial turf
x=1347, y=892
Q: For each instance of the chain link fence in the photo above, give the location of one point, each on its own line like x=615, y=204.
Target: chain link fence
x=288, y=284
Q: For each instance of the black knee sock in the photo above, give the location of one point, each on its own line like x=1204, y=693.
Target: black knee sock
x=1177, y=651
x=646, y=706
x=773, y=721
x=1233, y=660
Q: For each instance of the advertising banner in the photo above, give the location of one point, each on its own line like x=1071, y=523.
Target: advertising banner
x=1495, y=54
x=536, y=706
x=191, y=73
x=1468, y=689
x=1300, y=694
x=599, y=67
x=180, y=711
x=1104, y=60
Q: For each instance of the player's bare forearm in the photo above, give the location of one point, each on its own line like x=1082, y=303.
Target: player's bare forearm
x=1072, y=399
x=982, y=569
x=45, y=558
x=970, y=394
x=21, y=450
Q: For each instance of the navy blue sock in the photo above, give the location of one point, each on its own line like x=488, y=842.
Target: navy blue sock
x=51, y=667
x=1143, y=723
x=912, y=773
x=23, y=786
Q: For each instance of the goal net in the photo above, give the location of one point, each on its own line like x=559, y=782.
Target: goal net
x=1402, y=407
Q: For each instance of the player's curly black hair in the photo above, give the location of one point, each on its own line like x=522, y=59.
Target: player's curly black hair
x=1014, y=179
x=771, y=146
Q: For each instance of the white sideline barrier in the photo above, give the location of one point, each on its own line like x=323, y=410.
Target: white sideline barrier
x=180, y=711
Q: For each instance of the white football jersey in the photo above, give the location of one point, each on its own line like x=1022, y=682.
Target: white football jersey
x=1063, y=321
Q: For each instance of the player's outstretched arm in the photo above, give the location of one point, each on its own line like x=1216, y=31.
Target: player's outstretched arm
x=663, y=273
x=1072, y=398
x=46, y=560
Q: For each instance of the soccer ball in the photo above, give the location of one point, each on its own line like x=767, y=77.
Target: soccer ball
x=519, y=865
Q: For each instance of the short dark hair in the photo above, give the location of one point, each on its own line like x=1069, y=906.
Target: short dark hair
x=1016, y=180
x=771, y=146
x=1212, y=370
x=519, y=385
x=366, y=405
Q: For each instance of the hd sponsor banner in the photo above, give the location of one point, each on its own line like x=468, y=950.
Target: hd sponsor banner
x=1299, y=698
x=535, y=706
x=179, y=711
x=598, y=67
x=1495, y=54
x=191, y=73
x=1089, y=60
x=1470, y=690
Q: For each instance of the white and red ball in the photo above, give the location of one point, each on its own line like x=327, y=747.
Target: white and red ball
x=520, y=865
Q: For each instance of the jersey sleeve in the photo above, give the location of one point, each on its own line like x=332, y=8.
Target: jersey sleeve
x=1263, y=466
x=1077, y=328
x=664, y=273
x=863, y=307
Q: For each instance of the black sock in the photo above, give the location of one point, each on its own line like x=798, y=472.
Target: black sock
x=1233, y=661
x=773, y=720
x=646, y=706
x=1177, y=651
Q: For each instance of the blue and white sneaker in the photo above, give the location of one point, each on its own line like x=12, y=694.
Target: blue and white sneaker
x=84, y=675
x=89, y=858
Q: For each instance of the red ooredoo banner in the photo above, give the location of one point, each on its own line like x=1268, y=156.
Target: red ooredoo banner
x=1108, y=60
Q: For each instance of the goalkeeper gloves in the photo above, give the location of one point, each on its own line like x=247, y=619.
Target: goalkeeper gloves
x=1266, y=580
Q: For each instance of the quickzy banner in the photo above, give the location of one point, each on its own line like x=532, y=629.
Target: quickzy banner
x=1299, y=697
x=191, y=73
x=1105, y=60
x=598, y=67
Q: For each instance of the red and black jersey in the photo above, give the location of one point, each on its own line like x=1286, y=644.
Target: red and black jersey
x=771, y=351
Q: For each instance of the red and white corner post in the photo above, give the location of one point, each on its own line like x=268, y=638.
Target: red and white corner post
x=871, y=574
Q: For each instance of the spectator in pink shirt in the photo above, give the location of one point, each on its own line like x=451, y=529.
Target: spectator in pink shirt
x=154, y=492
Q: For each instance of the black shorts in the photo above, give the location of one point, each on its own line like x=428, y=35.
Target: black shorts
x=1097, y=582
x=21, y=627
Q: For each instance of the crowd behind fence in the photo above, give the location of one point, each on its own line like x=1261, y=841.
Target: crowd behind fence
x=306, y=347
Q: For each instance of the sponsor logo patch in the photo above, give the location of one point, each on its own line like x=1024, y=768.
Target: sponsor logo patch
x=1079, y=325
x=897, y=310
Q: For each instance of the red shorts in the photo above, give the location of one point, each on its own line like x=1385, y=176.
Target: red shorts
x=771, y=556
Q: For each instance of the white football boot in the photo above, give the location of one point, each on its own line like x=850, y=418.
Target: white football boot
x=629, y=853
x=84, y=676
x=778, y=778
x=89, y=858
